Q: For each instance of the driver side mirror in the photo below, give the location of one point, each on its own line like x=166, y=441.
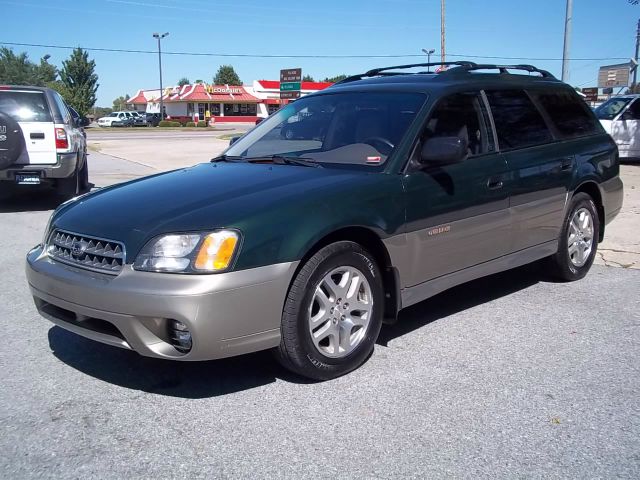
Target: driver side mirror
x=443, y=151
x=233, y=140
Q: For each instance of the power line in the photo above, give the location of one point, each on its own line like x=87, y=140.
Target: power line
x=255, y=55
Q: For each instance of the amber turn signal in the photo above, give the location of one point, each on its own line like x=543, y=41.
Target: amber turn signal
x=217, y=251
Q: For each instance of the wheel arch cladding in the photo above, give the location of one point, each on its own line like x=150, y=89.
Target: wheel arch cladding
x=372, y=243
x=591, y=188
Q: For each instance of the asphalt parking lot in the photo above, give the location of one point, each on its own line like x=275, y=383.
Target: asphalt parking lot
x=510, y=376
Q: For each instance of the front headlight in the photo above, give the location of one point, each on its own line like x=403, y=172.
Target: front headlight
x=189, y=252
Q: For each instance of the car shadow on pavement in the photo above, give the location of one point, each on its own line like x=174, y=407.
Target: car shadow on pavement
x=31, y=199
x=221, y=377
x=165, y=377
x=36, y=199
x=460, y=298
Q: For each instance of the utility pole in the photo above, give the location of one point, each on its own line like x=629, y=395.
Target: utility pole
x=635, y=71
x=160, y=37
x=442, y=55
x=567, y=41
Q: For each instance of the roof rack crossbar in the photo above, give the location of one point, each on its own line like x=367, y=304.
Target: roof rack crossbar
x=503, y=69
x=383, y=70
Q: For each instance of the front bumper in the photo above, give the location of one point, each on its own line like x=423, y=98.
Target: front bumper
x=227, y=314
x=63, y=168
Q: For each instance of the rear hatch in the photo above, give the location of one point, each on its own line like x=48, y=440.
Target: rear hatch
x=31, y=110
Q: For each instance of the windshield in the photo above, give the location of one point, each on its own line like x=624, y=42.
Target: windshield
x=25, y=106
x=348, y=128
x=113, y=114
x=609, y=109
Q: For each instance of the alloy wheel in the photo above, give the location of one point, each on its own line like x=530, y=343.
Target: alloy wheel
x=340, y=311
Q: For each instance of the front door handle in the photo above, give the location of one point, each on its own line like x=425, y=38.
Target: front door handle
x=495, y=183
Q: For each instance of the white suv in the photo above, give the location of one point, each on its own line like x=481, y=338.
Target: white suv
x=41, y=141
x=117, y=119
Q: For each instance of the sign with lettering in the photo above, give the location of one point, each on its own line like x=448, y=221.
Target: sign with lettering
x=224, y=89
x=614, y=75
x=290, y=83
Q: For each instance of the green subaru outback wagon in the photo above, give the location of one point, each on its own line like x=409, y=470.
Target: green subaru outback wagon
x=399, y=184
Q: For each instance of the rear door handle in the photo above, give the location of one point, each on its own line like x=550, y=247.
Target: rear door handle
x=495, y=183
x=36, y=135
x=566, y=164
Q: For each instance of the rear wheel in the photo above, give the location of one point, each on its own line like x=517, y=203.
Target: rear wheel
x=77, y=183
x=333, y=313
x=578, y=240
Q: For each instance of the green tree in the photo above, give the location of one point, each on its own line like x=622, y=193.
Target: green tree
x=46, y=72
x=17, y=69
x=80, y=81
x=183, y=81
x=120, y=103
x=308, y=78
x=335, y=79
x=226, y=75
x=199, y=81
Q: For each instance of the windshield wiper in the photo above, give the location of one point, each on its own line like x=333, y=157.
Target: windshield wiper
x=227, y=158
x=284, y=160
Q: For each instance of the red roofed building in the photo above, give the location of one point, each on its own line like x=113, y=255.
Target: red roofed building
x=222, y=103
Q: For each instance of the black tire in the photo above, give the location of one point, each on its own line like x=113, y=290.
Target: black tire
x=560, y=265
x=75, y=184
x=297, y=351
x=84, y=174
x=11, y=140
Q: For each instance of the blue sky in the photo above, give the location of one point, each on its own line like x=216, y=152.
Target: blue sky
x=504, y=28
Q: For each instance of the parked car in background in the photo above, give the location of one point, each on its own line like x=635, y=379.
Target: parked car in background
x=620, y=117
x=152, y=119
x=41, y=141
x=116, y=119
x=139, y=119
x=420, y=182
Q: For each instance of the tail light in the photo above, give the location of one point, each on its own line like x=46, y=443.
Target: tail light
x=62, y=142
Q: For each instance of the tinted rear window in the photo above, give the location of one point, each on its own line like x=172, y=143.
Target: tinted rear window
x=25, y=106
x=518, y=122
x=569, y=114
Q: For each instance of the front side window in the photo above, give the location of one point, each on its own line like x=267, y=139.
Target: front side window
x=355, y=128
x=633, y=112
x=460, y=115
x=25, y=106
x=518, y=122
x=611, y=108
x=568, y=113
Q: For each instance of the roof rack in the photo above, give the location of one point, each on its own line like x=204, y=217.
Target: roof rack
x=504, y=69
x=382, y=71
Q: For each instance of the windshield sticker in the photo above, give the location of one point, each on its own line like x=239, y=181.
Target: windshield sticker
x=373, y=160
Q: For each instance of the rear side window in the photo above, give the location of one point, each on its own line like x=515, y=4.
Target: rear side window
x=62, y=107
x=518, y=122
x=568, y=113
x=25, y=106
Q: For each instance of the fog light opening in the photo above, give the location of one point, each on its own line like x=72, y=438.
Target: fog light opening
x=180, y=336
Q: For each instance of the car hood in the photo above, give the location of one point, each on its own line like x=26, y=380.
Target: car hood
x=198, y=198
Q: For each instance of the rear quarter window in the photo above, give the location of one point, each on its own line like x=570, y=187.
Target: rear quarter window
x=518, y=122
x=569, y=114
x=25, y=106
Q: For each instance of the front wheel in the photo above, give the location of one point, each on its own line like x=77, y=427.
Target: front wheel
x=578, y=240
x=333, y=313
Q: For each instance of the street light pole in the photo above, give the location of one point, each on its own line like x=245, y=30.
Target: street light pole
x=567, y=41
x=160, y=37
x=428, y=53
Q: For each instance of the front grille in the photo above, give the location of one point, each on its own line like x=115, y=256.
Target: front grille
x=86, y=252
